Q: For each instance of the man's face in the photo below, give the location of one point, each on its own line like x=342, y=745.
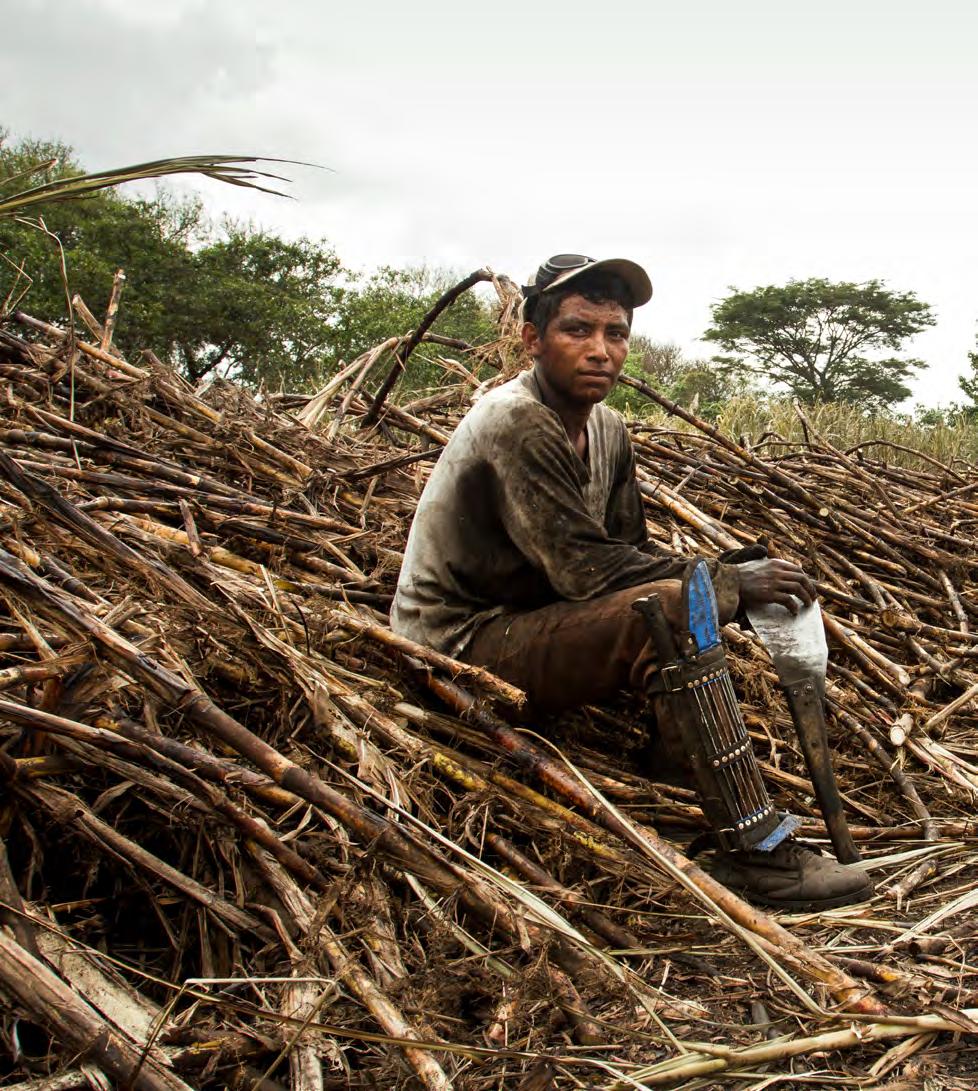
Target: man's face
x=583, y=350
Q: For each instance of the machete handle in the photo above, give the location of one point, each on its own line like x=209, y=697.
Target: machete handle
x=659, y=628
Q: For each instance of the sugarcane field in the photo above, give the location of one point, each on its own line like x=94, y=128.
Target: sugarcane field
x=488, y=547
x=255, y=838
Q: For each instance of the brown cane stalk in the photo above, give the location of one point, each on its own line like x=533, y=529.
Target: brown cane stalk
x=46, y=999
x=596, y=920
x=199, y=709
x=68, y=810
x=441, y=304
x=142, y=752
x=805, y=961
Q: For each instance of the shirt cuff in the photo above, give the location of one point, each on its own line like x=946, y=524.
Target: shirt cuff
x=726, y=587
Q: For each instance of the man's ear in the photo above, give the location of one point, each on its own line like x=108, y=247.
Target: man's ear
x=531, y=338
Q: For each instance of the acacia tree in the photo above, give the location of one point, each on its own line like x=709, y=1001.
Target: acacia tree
x=821, y=340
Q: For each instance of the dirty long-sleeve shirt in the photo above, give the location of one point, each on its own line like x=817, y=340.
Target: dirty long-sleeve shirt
x=513, y=519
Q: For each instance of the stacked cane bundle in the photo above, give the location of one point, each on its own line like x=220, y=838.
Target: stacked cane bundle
x=254, y=839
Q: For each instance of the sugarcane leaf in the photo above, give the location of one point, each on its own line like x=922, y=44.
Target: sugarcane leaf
x=233, y=169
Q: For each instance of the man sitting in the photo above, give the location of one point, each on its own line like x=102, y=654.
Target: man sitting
x=529, y=548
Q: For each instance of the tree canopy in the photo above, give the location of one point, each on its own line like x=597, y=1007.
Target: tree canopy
x=268, y=308
x=697, y=385
x=237, y=298
x=230, y=298
x=822, y=340
x=969, y=385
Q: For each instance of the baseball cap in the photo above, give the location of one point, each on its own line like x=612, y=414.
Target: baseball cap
x=557, y=271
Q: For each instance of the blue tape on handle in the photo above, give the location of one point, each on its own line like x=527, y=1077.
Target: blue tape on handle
x=704, y=625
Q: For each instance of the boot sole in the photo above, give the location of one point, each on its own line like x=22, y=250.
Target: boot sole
x=807, y=904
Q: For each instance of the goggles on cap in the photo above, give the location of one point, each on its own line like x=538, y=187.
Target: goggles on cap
x=553, y=268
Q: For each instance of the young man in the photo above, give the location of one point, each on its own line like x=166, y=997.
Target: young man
x=529, y=548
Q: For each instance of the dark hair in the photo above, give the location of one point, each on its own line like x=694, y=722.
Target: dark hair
x=599, y=287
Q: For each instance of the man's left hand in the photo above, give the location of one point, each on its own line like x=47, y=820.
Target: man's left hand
x=775, y=580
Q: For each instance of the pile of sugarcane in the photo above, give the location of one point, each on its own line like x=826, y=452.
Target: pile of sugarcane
x=251, y=838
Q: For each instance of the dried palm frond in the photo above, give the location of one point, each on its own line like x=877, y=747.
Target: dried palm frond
x=233, y=169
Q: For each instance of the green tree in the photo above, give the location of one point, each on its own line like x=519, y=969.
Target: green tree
x=234, y=300
x=392, y=301
x=969, y=384
x=267, y=312
x=97, y=235
x=821, y=340
x=259, y=308
x=698, y=385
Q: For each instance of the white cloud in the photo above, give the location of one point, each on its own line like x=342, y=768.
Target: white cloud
x=721, y=144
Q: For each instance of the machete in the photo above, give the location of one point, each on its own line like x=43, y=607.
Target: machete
x=796, y=643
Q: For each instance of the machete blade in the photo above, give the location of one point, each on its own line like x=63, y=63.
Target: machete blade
x=796, y=642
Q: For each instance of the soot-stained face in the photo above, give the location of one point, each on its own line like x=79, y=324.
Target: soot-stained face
x=582, y=351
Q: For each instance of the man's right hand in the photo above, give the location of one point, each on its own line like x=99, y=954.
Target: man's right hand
x=774, y=580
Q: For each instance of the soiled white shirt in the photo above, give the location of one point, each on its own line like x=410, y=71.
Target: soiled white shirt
x=512, y=519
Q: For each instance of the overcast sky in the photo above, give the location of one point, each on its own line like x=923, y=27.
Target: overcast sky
x=720, y=144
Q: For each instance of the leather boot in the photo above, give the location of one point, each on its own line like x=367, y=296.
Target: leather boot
x=792, y=876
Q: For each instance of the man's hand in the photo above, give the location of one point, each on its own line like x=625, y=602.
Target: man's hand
x=774, y=580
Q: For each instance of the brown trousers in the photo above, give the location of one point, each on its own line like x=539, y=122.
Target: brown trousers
x=575, y=653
